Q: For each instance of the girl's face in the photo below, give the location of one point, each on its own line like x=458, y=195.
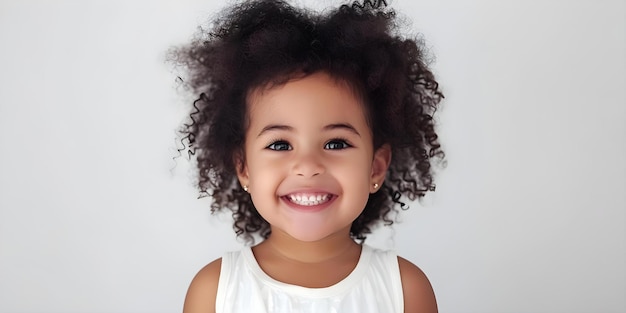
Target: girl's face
x=309, y=162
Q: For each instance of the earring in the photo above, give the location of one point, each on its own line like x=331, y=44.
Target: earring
x=375, y=185
x=245, y=188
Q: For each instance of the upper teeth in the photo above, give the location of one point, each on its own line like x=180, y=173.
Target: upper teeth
x=308, y=199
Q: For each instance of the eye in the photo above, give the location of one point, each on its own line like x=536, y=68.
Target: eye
x=337, y=144
x=279, y=145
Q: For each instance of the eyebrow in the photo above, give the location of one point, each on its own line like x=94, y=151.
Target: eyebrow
x=272, y=127
x=275, y=127
x=344, y=126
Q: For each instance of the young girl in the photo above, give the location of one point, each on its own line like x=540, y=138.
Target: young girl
x=310, y=128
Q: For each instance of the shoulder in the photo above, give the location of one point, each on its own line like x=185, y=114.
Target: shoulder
x=203, y=289
x=416, y=289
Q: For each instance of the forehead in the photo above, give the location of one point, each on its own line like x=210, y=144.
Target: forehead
x=310, y=95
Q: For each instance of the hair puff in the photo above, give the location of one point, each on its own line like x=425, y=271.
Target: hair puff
x=260, y=44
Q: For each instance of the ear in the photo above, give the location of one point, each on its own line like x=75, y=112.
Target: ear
x=242, y=170
x=380, y=164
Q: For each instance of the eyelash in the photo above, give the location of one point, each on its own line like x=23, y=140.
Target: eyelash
x=278, y=142
x=343, y=141
x=273, y=145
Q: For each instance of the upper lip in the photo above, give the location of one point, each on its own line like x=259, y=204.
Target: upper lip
x=308, y=192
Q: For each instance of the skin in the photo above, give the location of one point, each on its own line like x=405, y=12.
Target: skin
x=310, y=137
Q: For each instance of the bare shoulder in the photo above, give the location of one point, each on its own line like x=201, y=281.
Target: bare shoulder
x=203, y=289
x=416, y=288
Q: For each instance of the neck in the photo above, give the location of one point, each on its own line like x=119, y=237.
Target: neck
x=334, y=246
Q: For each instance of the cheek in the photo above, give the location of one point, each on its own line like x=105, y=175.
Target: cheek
x=356, y=172
x=264, y=176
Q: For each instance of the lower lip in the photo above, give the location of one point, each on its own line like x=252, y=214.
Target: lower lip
x=308, y=208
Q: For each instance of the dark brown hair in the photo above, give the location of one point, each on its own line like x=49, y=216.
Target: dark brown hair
x=268, y=42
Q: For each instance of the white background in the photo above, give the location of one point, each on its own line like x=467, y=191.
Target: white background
x=529, y=216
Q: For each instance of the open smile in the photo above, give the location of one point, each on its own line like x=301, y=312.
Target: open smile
x=304, y=199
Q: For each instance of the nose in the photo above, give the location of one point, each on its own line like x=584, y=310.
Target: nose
x=308, y=164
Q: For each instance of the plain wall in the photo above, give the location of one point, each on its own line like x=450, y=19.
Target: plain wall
x=529, y=215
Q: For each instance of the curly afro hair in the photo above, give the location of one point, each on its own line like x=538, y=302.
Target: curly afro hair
x=265, y=43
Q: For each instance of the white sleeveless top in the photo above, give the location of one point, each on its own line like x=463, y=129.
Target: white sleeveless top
x=373, y=286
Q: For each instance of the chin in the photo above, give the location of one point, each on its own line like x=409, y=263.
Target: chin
x=308, y=236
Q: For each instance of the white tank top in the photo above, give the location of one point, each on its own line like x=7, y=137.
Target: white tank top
x=373, y=286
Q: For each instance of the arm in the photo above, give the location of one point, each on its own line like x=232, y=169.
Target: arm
x=416, y=289
x=203, y=289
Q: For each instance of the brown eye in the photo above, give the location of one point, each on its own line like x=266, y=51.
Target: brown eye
x=279, y=145
x=337, y=144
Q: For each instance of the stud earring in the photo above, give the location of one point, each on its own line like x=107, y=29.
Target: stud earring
x=375, y=185
x=245, y=188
